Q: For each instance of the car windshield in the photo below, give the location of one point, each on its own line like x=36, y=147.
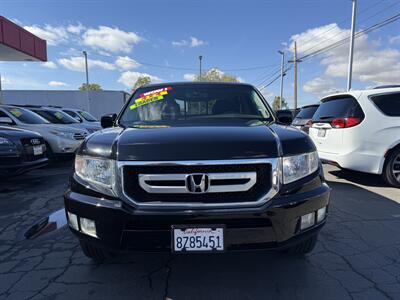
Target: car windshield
x=56, y=117
x=87, y=116
x=179, y=103
x=307, y=112
x=26, y=116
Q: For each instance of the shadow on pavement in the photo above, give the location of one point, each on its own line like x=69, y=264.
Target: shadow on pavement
x=360, y=177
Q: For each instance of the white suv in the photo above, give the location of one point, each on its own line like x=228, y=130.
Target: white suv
x=59, y=139
x=360, y=130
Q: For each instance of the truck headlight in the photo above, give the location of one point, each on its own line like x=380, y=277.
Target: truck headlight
x=98, y=173
x=299, y=166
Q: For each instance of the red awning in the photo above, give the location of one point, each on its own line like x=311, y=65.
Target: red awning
x=17, y=44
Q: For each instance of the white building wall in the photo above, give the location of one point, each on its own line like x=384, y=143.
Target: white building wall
x=97, y=103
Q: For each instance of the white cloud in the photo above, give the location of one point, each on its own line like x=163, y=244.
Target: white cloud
x=77, y=63
x=126, y=63
x=189, y=77
x=110, y=39
x=49, y=65
x=76, y=29
x=371, y=64
x=320, y=86
x=57, y=84
x=395, y=40
x=129, y=78
x=53, y=35
x=193, y=42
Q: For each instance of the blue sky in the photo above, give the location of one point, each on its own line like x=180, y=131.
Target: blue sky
x=164, y=38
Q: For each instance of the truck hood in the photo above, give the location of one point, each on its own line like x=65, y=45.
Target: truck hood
x=237, y=139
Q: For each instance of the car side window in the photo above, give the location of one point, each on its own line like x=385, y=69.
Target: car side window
x=73, y=114
x=389, y=104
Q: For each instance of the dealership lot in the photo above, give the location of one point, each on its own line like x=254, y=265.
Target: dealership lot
x=358, y=255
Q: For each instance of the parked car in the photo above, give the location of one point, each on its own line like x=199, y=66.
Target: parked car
x=196, y=167
x=360, y=130
x=60, y=140
x=20, y=151
x=303, y=119
x=57, y=116
x=81, y=115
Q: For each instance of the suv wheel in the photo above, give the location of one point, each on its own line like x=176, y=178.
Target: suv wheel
x=391, y=169
x=304, y=247
x=96, y=253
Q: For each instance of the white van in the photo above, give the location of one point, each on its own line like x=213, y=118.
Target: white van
x=360, y=130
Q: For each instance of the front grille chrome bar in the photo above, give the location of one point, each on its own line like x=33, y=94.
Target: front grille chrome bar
x=276, y=175
x=146, y=182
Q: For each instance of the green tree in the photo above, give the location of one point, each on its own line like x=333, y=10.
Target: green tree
x=90, y=87
x=216, y=75
x=142, y=80
x=275, y=103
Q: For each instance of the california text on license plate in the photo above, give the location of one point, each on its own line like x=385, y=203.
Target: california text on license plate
x=206, y=238
x=37, y=150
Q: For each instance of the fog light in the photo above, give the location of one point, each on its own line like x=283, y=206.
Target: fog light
x=307, y=221
x=321, y=213
x=88, y=227
x=73, y=221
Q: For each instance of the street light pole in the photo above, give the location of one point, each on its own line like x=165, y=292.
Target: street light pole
x=282, y=71
x=200, y=59
x=86, y=66
x=353, y=28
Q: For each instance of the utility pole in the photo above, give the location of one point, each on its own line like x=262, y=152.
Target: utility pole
x=353, y=29
x=282, y=74
x=295, y=61
x=86, y=66
x=200, y=59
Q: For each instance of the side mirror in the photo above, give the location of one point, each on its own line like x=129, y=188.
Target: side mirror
x=284, y=118
x=108, y=120
x=6, y=120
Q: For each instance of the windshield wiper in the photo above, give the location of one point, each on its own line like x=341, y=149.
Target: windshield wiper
x=326, y=117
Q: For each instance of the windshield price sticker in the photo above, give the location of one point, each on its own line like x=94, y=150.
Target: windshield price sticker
x=151, y=96
x=16, y=112
x=58, y=115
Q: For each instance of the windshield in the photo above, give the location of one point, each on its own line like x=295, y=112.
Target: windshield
x=25, y=116
x=87, y=116
x=187, y=102
x=56, y=117
x=307, y=112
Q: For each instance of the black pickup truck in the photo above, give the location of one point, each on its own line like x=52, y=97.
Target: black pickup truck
x=196, y=167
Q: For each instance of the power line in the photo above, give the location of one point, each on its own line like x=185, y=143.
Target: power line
x=357, y=35
x=341, y=32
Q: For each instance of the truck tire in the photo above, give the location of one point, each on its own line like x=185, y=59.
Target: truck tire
x=95, y=253
x=391, y=168
x=304, y=247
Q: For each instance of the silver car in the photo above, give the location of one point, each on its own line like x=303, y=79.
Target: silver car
x=59, y=139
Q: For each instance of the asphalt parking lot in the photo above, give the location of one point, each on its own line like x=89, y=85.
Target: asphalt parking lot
x=357, y=257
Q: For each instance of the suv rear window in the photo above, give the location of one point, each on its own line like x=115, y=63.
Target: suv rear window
x=307, y=112
x=389, y=104
x=338, y=107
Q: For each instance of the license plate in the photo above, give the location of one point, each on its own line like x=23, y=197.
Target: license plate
x=37, y=150
x=321, y=132
x=198, y=239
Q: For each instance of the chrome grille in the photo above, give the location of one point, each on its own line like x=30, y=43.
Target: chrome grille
x=80, y=136
x=233, y=183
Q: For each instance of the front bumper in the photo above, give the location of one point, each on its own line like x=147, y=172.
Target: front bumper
x=65, y=146
x=273, y=225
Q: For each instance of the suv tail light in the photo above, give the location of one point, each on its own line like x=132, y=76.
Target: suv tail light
x=345, y=122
